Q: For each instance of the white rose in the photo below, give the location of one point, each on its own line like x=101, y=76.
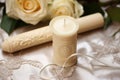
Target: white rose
x=65, y=7
x=30, y=11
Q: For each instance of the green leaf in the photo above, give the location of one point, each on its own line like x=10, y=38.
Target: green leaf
x=114, y=13
x=107, y=22
x=20, y=23
x=91, y=8
x=110, y=3
x=8, y=24
x=91, y=1
x=2, y=4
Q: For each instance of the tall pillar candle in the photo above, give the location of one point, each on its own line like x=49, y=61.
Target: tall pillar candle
x=64, y=29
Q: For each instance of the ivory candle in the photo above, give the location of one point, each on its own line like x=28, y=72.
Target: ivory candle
x=43, y=35
x=64, y=30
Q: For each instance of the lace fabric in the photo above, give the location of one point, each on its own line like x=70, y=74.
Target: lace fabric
x=98, y=55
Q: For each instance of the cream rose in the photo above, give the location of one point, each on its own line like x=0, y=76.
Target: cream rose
x=65, y=7
x=30, y=11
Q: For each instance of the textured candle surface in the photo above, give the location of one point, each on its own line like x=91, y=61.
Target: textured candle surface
x=43, y=35
x=64, y=39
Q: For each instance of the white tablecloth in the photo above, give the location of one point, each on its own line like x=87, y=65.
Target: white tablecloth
x=99, y=58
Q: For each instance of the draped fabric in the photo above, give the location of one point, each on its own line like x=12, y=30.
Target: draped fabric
x=98, y=53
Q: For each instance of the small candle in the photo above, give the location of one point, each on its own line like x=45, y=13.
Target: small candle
x=64, y=30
